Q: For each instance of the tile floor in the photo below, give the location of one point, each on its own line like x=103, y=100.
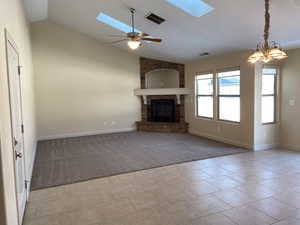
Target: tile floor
x=254, y=188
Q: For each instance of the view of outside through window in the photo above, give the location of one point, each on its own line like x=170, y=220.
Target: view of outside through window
x=229, y=95
x=268, y=95
x=205, y=98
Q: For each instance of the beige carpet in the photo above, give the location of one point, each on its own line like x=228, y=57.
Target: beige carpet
x=71, y=160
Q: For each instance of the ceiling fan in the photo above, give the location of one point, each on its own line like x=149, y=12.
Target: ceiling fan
x=134, y=39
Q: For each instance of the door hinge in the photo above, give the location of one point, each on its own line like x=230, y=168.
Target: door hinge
x=22, y=128
x=19, y=70
x=26, y=184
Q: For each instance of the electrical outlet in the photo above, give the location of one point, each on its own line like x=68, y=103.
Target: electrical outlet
x=113, y=123
x=105, y=123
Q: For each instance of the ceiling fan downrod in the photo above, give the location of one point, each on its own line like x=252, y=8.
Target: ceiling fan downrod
x=132, y=10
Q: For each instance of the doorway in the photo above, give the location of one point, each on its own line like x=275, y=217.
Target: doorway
x=15, y=99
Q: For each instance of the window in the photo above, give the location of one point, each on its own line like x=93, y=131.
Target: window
x=229, y=95
x=205, y=95
x=268, y=95
x=102, y=17
x=193, y=7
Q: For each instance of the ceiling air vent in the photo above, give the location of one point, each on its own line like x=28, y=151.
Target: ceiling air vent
x=204, y=54
x=155, y=18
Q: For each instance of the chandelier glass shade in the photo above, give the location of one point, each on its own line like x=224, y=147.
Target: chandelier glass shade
x=266, y=52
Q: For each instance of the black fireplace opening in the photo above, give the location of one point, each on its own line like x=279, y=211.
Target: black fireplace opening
x=162, y=110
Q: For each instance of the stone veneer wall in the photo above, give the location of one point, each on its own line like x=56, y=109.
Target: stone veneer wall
x=147, y=65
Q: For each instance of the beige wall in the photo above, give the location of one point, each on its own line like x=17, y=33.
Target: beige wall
x=238, y=134
x=290, y=81
x=82, y=86
x=13, y=19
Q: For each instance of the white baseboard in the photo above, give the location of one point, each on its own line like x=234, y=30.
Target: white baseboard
x=221, y=139
x=291, y=147
x=86, y=133
x=265, y=146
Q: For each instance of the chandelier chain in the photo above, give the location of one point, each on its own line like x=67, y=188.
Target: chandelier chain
x=267, y=23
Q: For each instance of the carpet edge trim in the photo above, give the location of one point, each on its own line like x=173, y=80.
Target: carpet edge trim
x=85, y=133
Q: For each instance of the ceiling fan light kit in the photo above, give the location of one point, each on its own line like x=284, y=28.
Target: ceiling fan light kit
x=265, y=52
x=135, y=38
x=134, y=44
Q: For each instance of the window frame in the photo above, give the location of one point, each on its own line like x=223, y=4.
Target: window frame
x=275, y=94
x=202, y=95
x=218, y=96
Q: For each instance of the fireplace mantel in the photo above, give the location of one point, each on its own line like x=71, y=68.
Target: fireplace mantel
x=162, y=91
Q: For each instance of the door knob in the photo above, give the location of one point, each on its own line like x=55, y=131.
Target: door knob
x=18, y=155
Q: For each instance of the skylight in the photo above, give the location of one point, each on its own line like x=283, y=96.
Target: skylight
x=102, y=17
x=194, y=7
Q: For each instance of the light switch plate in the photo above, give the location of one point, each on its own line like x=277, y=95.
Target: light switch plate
x=292, y=102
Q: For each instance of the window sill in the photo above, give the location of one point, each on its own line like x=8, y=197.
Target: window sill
x=229, y=122
x=204, y=118
x=271, y=123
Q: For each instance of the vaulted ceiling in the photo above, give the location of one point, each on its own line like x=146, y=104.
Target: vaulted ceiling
x=233, y=25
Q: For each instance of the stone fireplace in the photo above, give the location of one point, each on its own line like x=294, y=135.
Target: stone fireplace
x=162, y=96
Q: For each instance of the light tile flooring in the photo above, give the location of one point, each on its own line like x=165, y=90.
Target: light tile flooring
x=254, y=188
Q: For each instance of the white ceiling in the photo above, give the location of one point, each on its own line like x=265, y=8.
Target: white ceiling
x=234, y=25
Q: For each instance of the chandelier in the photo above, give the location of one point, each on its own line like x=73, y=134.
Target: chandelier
x=266, y=52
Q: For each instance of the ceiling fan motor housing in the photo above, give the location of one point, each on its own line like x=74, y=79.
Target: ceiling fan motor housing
x=134, y=36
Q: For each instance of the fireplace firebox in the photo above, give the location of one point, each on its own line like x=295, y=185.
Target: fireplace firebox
x=162, y=110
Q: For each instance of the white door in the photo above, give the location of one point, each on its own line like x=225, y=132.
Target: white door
x=16, y=122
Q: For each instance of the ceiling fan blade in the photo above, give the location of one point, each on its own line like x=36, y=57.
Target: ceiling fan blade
x=115, y=42
x=124, y=36
x=152, y=39
x=143, y=34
